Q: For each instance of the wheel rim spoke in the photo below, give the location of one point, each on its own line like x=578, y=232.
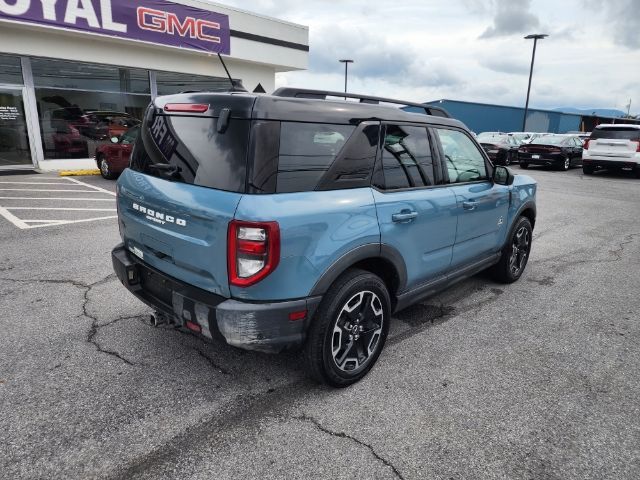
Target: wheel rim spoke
x=519, y=250
x=357, y=331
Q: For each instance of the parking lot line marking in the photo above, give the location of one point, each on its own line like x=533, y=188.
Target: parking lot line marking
x=64, y=222
x=70, y=209
x=104, y=190
x=43, y=190
x=13, y=219
x=34, y=183
x=77, y=199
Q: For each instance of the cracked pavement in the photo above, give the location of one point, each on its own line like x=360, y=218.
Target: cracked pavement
x=533, y=380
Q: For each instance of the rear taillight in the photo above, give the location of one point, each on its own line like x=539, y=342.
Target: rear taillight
x=638, y=147
x=253, y=251
x=585, y=146
x=186, y=107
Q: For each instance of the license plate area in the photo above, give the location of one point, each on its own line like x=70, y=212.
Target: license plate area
x=156, y=285
x=535, y=157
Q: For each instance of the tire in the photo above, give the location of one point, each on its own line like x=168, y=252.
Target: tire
x=565, y=165
x=524, y=165
x=105, y=170
x=515, y=253
x=331, y=354
x=637, y=171
x=587, y=170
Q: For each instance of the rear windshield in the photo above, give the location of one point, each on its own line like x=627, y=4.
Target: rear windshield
x=192, y=150
x=549, y=140
x=616, y=133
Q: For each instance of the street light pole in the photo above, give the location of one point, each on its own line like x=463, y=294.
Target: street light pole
x=535, y=37
x=346, y=72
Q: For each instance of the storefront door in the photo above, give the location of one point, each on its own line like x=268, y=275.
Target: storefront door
x=15, y=150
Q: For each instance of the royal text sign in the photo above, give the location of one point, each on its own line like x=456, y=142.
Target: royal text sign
x=154, y=21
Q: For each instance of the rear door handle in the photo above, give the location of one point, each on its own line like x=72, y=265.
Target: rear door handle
x=404, y=216
x=472, y=205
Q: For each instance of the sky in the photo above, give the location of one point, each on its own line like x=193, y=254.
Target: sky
x=423, y=50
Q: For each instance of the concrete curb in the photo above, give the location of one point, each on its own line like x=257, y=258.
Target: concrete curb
x=78, y=173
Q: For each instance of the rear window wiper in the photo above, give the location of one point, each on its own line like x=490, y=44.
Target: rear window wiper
x=165, y=168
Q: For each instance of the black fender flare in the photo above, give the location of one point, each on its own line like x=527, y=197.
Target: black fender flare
x=528, y=205
x=363, y=252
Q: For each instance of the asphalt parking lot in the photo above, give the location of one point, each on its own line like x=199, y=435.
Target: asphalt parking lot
x=535, y=380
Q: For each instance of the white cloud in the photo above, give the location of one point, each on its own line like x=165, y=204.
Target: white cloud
x=422, y=51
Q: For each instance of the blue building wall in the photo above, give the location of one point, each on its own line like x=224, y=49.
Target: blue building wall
x=481, y=117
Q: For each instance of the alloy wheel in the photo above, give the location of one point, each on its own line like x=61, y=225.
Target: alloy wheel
x=566, y=164
x=104, y=167
x=520, y=248
x=357, y=332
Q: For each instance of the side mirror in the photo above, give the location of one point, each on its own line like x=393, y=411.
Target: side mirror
x=502, y=175
x=115, y=139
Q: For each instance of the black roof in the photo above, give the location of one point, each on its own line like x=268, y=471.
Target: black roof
x=295, y=109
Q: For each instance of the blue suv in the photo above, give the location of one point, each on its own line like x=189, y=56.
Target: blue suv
x=289, y=220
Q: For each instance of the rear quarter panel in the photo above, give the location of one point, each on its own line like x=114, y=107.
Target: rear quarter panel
x=523, y=195
x=316, y=229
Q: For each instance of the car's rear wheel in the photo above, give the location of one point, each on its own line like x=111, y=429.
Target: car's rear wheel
x=508, y=158
x=524, y=165
x=515, y=254
x=349, y=329
x=587, y=170
x=564, y=164
x=637, y=171
x=105, y=168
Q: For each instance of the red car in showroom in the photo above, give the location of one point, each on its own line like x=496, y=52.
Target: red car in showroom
x=112, y=158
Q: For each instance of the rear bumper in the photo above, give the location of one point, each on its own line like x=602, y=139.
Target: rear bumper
x=602, y=163
x=262, y=327
x=553, y=159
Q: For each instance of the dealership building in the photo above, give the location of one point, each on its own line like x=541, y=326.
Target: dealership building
x=75, y=74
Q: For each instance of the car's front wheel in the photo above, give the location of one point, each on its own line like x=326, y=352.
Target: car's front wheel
x=524, y=165
x=349, y=329
x=587, y=169
x=105, y=168
x=515, y=253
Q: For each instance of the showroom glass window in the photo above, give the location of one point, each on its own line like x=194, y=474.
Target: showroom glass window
x=10, y=70
x=170, y=83
x=14, y=138
x=83, y=105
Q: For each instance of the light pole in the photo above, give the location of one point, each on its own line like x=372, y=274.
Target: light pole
x=346, y=71
x=535, y=37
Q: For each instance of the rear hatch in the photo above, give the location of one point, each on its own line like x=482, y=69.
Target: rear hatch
x=187, y=175
x=619, y=142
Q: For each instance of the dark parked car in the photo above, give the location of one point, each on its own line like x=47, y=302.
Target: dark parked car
x=559, y=151
x=106, y=125
x=501, y=147
x=112, y=158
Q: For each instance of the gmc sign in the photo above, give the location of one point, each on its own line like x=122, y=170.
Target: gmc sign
x=154, y=21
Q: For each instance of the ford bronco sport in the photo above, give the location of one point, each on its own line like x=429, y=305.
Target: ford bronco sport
x=291, y=219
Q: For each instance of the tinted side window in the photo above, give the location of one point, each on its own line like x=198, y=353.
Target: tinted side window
x=354, y=165
x=307, y=150
x=406, y=158
x=464, y=161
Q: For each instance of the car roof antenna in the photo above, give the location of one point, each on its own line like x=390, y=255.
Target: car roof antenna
x=236, y=85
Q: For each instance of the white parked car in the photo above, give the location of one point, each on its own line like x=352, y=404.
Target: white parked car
x=612, y=147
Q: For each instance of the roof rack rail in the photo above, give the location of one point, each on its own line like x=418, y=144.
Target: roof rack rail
x=323, y=94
